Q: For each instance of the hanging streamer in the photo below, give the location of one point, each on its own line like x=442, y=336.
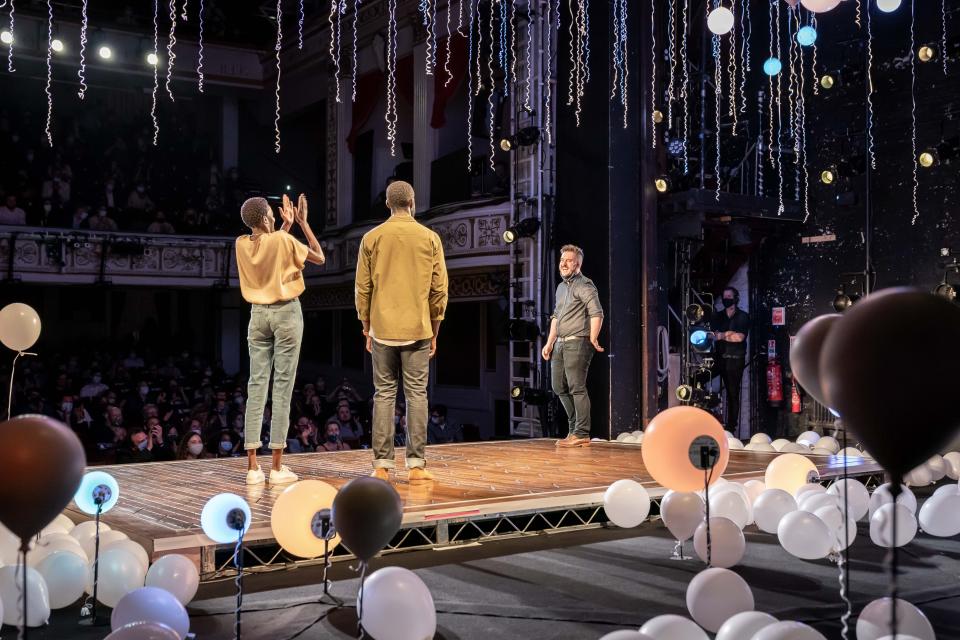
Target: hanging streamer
x=913, y=113
x=943, y=34
x=653, y=75
x=470, y=91
x=356, y=15
x=718, y=98
x=82, y=71
x=732, y=72
x=200, y=53
x=585, y=12
x=334, y=48
x=770, y=93
x=802, y=132
x=391, y=113
x=512, y=18
x=171, y=41
x=276, y=91
x=625, y=76
x=460, y=17
x=504, y=47
x=857, y=19
x=49, y=72
x=429, y=10
x=779, y=100
x=10, y=66
x=547, y=75
x=493, y=86
x=813, y=67
x=446, y=57
x=479, y=74
x=183, y=14
x=578, y=51
x=529, y=82
x=684, y=92
x=156, y=76
x=870, y=151
x=672, y=25
x=300, y=26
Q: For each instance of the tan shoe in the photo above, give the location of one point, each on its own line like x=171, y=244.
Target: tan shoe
x=572, y=441
x=381, y=473
x=418, y=474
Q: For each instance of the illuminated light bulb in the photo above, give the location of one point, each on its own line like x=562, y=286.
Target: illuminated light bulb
x=926, y=53
x=772, y=66
x=6, y=37
x=657, y=116
x=927, y=159
x=57, y=45
x=662, y=184
x=828, y=176
x=105, y=52
x=152, y=59
x=720, y=21
x=827, y=81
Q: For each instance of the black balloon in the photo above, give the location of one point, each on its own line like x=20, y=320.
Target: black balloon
x=805, y=353
x=41, y=466
x=366, y=513
x=889, y=367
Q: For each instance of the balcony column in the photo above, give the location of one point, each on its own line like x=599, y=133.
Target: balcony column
x=425, y=139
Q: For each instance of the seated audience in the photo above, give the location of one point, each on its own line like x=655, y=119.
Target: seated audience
x=439, y=431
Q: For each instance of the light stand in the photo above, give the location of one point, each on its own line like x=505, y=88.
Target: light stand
x=322, y=527
x=101, y=494
x=237, y=520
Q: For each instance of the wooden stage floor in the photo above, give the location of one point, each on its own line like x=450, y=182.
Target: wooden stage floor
x=160, y=502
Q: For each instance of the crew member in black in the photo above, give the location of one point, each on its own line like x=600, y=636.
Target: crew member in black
x=730, y=327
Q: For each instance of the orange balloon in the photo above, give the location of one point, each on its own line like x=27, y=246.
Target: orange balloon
x=293, y=514
x=667, y=442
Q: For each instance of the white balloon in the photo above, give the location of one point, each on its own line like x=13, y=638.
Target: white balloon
x=119, y=574
x=818, y=451
x=132, y=547
x=819, y=6
x=87, y=529
x=940, y=515
x=630, y=439
x=626, y=503
x=682, y=513
x=850, y=452
x=729, y=434
x=149, y=604
x=621, y=436
x=65, y=574
x=805, y=536
x=833, y=518
x=830, y=443
x=715, y=595
x=790, y=471
x=813, y=501
x=177, y=574
x=858, y=498
x=673, y=627
x=106, y=537
x=397, y=604
x=53, y=543
x=937, y=467
x=733, y=506
x=810, y=487
x=771, y=507
x=733, y=443
x=38, y=598
x=638, y=434
x=736, y=487
x=744, y=625
x=727, y=543
x=144, y=631
x=760, y=446
x=874, y=621
x=919, y=477
x=952, y=465
x=794, y=447
x=754, y=488
x=809, y=438
x=882, y=496
x=888, y=6
x=760, y=437
x=900, y=636
x=779, y=443
x=626, y=634
x=10, y=546
x=60, y=524
x=881, y=526
x=947, y=490
x=788, y=630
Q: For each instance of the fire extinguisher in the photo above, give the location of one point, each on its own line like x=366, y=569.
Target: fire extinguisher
x=795, y=404
x=774, y=382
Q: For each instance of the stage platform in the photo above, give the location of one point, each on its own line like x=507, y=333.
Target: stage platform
x=482, y=490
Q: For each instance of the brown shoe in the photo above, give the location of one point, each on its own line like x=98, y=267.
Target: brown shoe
x=420, y=474
x=381, y=473
x=572, y=441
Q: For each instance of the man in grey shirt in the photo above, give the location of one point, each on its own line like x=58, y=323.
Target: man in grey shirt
x=574, y=327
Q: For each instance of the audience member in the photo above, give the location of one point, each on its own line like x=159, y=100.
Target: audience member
x=304, y=440
x=332, y=441
x=137, y=447
x=191, y=447
x=11, y=214
x=351, y=431
x=102, y=221
x=439, y=431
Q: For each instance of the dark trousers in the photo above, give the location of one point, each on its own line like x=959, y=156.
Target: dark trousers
x=389, y=363
x=568, y=372
x=731, y=373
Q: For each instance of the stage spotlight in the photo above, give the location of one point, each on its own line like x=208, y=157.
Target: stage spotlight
x=528, y=395
x=524, y=138
x=806, y=36
x=57, y=45
x=695, y=313
x=657, y=116
x=526, y=228
x=152, y=59
x=701, y=340
x=105, y=52
x=927, y=158
x=523, y=330
x=843, y=301
x=888, y=6
x=946, y=290
x=6, y=37
x=684, y=393
x=289, y=188
x=827, y=81
x=662, y=184
x=772, y=66
x=675, y=147
x=829, y=175
x=927, y=53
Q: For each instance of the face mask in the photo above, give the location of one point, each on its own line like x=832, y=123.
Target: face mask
x=238, y=400
x=102, y=213
x=140, y=189
x=144, y=390
x=728, y=302
x=226, y=446
x=435, y=420
x=83, y=215
x=67, y=406
x=332, y=439
x=195, y=448
x=143, y=444
x=96, y=379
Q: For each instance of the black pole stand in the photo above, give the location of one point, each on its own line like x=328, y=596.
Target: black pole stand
x=101, y=495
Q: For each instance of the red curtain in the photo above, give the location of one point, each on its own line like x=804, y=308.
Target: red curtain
x=368, y=94
x=442, y=90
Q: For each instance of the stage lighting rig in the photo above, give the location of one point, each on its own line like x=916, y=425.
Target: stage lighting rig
x=843, y=300
x=696, y=313
x=829, y=175
x=526, y=228
x=927, y=53
x=662, y=184
x=523, y=330
x=536, y=397
x=523, y=138
x=702, y=340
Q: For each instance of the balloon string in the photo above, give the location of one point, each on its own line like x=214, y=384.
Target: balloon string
x=238, y=563
x=12, y=371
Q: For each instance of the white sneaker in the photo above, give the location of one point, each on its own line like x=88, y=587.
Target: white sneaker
x=283, y=476
x=255, y=476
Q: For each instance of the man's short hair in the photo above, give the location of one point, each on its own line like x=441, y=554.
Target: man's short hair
x=399, y=195
x=253, y=211
x=573, y=249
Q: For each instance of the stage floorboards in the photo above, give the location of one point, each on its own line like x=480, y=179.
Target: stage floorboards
x=160, y=503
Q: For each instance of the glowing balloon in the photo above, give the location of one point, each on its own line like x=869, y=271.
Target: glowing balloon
x=806, y=36
x=790, y=471
x=819, y=6
x=224, y=517
x=720, y=21
x=668, y=441
x=295, y=518
x=97, y=486
x=888, y=6
x=772, y=66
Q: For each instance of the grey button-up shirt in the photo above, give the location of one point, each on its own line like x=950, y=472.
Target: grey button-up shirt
x=577, y=302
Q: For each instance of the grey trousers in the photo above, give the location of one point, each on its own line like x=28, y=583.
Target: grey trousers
x=273, y=338
x=413, y=362
x=568, y=373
